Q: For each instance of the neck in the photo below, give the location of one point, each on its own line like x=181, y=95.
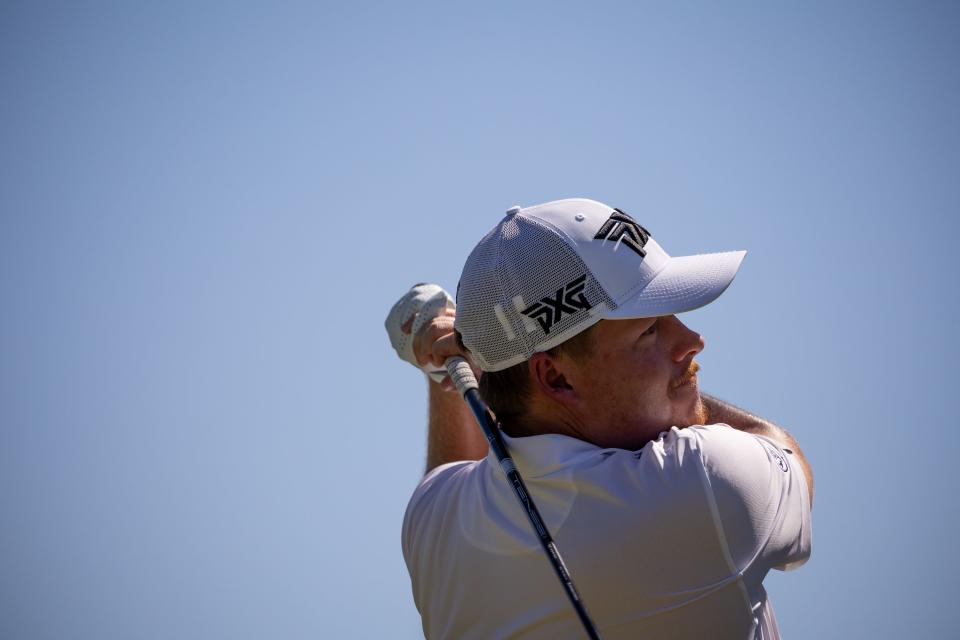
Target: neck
x=537, y=421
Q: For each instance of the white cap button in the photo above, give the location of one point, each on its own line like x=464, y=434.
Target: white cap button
x=512, y=211
x=579, y=217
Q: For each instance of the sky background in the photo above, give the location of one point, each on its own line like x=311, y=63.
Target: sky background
x=206, y=211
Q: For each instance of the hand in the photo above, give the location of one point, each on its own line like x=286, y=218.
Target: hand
x=420, y=326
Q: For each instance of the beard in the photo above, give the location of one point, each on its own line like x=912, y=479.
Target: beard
x=699, y=415
x=701, y=412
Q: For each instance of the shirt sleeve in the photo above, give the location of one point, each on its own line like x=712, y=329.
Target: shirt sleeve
x=761, y=498
x=426, y=500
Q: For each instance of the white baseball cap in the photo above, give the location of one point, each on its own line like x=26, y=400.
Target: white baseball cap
x=547, y=272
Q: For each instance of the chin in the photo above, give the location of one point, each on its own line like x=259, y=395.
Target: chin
x=695, y=415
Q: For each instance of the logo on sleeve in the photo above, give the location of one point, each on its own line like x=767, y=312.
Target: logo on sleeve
x=620, y=227
x=568, y=300
x=781, y=461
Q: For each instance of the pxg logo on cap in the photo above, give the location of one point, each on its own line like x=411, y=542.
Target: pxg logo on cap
x=620, y=227
x=568, y=299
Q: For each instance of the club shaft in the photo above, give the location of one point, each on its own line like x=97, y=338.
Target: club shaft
x=492, y=432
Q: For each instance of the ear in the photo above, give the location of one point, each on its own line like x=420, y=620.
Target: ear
x=550, y=377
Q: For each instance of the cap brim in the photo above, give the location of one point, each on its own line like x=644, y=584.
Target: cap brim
x=685, y=284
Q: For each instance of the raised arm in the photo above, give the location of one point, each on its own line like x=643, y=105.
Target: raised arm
x=420, y=326
x=452, y=432
x=721, y=411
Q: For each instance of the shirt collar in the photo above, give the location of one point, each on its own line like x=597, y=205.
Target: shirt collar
x=544, y=454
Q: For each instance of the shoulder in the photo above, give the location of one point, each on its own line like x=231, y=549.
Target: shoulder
x=674, y=474
x=741, y=462
x=438, y=487
x=715, y=446
x=440, y=481
x=741, y=470
x=759, y=494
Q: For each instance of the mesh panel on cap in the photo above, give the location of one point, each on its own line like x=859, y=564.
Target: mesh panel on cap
x=520, y=257
x=479, y=289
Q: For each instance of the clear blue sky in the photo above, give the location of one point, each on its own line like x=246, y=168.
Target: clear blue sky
x=207, y=209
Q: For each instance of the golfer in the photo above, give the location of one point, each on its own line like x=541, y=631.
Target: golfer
x=669, y=506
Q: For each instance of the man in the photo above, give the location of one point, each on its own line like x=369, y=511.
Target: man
x=667, y=526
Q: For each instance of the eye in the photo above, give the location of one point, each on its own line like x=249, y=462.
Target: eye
x=651, y=329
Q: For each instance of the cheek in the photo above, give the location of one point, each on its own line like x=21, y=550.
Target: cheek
x=629, y=386
x=630, y=396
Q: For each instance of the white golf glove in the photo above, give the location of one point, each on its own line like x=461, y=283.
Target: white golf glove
x=425, y=302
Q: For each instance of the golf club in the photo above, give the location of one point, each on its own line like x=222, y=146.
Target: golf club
x=466, y=383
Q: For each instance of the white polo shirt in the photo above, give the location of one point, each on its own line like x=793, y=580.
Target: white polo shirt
x=672, y=541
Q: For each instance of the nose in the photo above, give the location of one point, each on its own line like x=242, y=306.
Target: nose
x=687, y=343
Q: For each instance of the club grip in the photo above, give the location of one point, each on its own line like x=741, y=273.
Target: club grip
x=461, y=374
